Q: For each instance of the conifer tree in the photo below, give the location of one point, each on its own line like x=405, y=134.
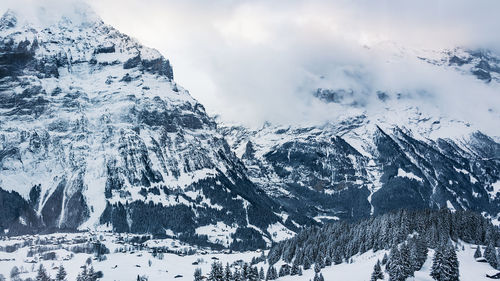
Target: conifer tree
x=337, y=258
x=245, y=271
x=445, y=265
x=452, y=265
x=216, y=273
x=237, y=275
x=437, y=270
x=197, y=274
x=295, y=268
x=421, y=247
x=490, y=254
x=82, y=276
x=397, y=270
x=284, y=270
x=405, y=260
x=384, y=259
x=253, y=274
x=61, y=274
x=414, y=256
x=271, y=273
x=307, y=264
x=262, y=276
x=317, y=268
x=14, y=273
x=91, y=275
x=377, y=272
x=477, y=253
x=328, y=261
x=320, y=261
x=42, y=274
x=227, y=273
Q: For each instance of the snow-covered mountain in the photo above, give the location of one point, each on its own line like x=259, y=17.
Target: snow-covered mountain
x=95, y=133
x=392, y=152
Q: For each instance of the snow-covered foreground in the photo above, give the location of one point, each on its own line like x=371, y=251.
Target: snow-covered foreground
x=121, y=266
x=362, y=268
x=125, y=262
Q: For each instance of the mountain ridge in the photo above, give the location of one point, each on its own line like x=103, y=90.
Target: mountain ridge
x=96, y=134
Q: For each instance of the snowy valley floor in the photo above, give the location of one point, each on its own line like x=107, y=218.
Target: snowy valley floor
x=127, y=265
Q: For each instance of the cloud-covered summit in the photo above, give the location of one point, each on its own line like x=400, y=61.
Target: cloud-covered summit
x=261, y=60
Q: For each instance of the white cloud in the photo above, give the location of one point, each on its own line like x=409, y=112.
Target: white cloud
x=258, y=60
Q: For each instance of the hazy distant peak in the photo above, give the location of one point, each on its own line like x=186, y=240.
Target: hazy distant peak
x=43, y=14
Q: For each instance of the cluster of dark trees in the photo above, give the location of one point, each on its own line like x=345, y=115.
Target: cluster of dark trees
x=445, y=264
x=220, y=273
x=183, y=219
x=490, y=255
x=407, y=233
x=403, y=260
x=41, y=275
x=96, y=248
x=250, y=273
x=14, y=247
x=410, y=256
x=46, y=251
x=88, y=274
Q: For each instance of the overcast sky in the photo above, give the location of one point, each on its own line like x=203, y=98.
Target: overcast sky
x=251, y=61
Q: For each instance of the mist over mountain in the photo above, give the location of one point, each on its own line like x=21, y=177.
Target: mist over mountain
x=97, y=135
x=318, y=140
x=260, y=61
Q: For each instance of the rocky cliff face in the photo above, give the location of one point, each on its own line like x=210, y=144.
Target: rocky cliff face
x=334, y=175
x=392, y=154
x=95, y=133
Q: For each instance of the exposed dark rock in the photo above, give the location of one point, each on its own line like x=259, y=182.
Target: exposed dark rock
x=482, y=74
x=105, y=49
x=17, y=216
x=335, y=96
x=132, y=62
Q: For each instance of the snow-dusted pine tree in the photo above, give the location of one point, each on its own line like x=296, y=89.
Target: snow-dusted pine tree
x=437, y=270
x=61, y=274
x=477, y=253
x=490, y=254
x=197, y=274
x=377, y=272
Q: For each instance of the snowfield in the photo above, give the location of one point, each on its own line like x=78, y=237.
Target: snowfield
x=121, y=265
x=125, y=260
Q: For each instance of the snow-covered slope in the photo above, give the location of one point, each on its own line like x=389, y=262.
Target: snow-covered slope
x=362, y=267
x=382, y=150
x=95, y=133
x=126, y=259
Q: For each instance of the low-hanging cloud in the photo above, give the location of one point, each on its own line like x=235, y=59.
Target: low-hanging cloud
x=252, y=61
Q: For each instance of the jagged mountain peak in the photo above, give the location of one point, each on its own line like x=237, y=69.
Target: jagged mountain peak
x=96, y=134
x=75, y=34
x=45, y=14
